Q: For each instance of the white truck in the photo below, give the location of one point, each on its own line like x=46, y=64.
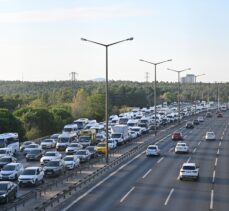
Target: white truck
x=119, y=133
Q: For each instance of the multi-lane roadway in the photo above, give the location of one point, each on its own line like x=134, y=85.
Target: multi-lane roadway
x=153, y=183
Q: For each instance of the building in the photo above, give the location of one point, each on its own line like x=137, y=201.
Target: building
x=189, y=78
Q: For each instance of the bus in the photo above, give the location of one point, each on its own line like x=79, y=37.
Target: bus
x=10, y=140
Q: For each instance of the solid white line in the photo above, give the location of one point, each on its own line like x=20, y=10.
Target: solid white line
x=218, y=152
x=171, y=149
x=160, y=160
x=194, y=150
x=170, y=194
x=144, y=176
x=199, y=143
x=216, y=161
x=101, y=182
x=219, y=143
x=213, y=177
x=212, y=196
x=188, y=160
x=124, y=197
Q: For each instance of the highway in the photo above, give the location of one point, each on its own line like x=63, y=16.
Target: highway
x=153, y=183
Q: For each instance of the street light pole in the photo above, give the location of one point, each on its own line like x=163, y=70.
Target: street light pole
x=106, y=97
x=196, y=76
x=155, y=88
x=178, y=97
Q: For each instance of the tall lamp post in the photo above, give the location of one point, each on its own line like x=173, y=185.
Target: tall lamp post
x=155, y=93
x=178, y=97
x=196, y=76
x=106, y=103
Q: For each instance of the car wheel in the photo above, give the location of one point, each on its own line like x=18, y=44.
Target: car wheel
x=15, y=194
x=16, y=177
x=36, y=182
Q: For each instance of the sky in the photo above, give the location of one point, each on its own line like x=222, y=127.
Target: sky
x=40, y=40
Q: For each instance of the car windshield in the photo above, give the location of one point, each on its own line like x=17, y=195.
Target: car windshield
x=189, y=167
x=50, y=154
x=68, y=130
x=91, y=149
x=6, y=160
x=8, y=168
x=32, y=146
x=29, y=172
x=3, y=186
x=81, y=153
x=181, y=145
x=63, y=140
x=2, y=151
x=74, y=145
x=34, y=152
x=152, y=148
x=101, y=145
x=47, y=141
x=84, y=139
x=27, y=143
x=53, y=163
x=210, y=133
x=68, y=159
x=116, y=135
x=136, y=129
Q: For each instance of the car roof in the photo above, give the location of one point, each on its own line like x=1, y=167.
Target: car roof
x=152, y=145
x=13, y=164
x=189, y=164
x=33, y=167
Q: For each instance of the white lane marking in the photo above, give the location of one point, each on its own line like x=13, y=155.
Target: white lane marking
x=220, y=143
x=178, y=177
x=194, y=150
x=171, y=149
x=216, y=161
x=221, y=138
x=162, y=139
x=218, y=152
x=199, y=143
x=124, y=197
x=160, y=160
x=145, y=175
x=213, y=177
x=212, y=198
x=188, y=160
x=101, y=182
x=169, y=196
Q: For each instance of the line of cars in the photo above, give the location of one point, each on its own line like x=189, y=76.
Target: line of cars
x=187, y=170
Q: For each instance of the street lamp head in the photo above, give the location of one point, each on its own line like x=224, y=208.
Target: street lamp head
x=83, y=39
x=131, y=38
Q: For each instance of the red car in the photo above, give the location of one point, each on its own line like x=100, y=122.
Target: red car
x=177, y=136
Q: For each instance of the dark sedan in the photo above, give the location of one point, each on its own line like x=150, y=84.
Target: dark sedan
x=8, y=191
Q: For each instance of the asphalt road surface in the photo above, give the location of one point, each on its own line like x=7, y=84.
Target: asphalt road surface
x=152, y=184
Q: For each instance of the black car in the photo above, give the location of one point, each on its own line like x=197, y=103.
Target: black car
x=34, y=154
x=196, y=122
x=8, y=191
x=55, y=168
x=189, y=125
x=208, y=114
x=7, y=159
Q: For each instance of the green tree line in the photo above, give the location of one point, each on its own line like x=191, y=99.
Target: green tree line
x=35, y=109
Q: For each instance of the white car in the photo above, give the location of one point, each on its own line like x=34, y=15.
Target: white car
x=189, y=171
x=84, y=155
x=5, y=152
x=112, y=144
x=152, y=150
x=50, y=155
x=210, y=136
x=133, y=134
x=73, y=148
x=31, y=176
x=181, y=147
x=11, y=171
x=200, y=119
x=71, y=161
x=48, y=143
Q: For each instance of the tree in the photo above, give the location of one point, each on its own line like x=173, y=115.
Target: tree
x=9, y=123
x=80, y=104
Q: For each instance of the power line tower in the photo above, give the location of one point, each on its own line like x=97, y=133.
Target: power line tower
x=73, y=75
x=147, y=77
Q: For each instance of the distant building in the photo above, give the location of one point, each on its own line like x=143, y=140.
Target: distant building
x=189, y=78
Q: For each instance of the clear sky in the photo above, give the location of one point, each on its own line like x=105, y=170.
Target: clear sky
x=40, y=39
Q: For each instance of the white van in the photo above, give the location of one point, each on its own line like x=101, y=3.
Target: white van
x=64, y=140
x=70, y=129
